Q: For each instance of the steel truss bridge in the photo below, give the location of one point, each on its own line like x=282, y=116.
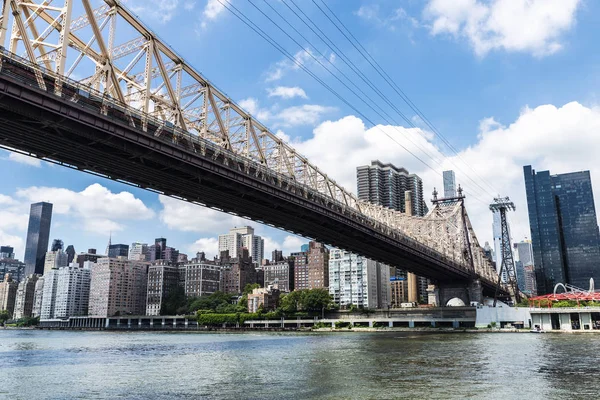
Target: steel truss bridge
x=101, y=93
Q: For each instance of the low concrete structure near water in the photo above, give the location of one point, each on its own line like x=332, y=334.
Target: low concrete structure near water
x=566, y=319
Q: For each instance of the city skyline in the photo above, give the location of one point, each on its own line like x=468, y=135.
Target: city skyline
x=477, y=116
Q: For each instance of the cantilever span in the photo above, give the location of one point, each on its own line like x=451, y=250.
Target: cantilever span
x=140, y=114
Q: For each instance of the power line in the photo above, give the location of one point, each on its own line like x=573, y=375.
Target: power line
x=398, y=90
x=248, y=22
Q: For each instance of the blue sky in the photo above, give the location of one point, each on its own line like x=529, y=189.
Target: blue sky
x=507, y=82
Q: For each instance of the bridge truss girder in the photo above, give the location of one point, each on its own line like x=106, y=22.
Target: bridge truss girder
x=109, y=50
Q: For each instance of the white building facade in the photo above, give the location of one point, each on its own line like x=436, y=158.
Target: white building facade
x=55, y=260
x=356, y=280
x=243, y=237
x=73, y=290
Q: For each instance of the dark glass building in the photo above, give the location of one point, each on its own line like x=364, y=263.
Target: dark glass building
x=564, y=228
x=118, y=250
x=38, y=234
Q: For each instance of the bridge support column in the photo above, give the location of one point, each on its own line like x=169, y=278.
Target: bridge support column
x=433, y=295
x=370, y=324
x=391, y=324
x=476, y=291
x=411, y=324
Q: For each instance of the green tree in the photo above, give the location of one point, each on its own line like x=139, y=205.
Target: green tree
x=250, y=287
x=175, y=303
x=316, y=300
x=291, y=302
x=4, y=316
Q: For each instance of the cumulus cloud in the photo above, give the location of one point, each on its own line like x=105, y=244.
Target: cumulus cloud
x=287, y=92
x=372, y=13
x=209, y=245
x=281, y=68
x=306, y=114
x=533, y=26
x=561, y=139
x=212, y=10
x=23, y=159
x=159, y=10
x=252, y=106
x=189, y=217
x=98, y=208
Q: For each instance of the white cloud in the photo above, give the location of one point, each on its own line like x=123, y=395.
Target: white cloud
x=210, y=246
x=292, y=244
x=307, y=114
x=189, y=5
x=279, y=69
x=561, y=139
x=159, y=10
x=189, y=217
x=96, y=206
x=23, y=159
x=371, y=13
x=533, y=26
x=251, y=106
x=212, y=10
x=287, y=92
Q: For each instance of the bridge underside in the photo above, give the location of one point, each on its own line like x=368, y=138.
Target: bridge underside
x=55, y=128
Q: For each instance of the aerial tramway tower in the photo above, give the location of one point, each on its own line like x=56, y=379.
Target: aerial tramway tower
x=502, y=205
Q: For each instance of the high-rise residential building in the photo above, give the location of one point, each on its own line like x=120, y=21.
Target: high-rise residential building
x=243, y=237
x=57, y=244
x=355, y=280
x=523, y=253
x=317, y=265
x=70, y=254
x=564, y=228
x=7, y=252
x=8, y=294
x=38, y=296
x=237, y=272
x=201, y=277
x=38, y=234
x=139, y=251
x=160, y=251
x=399, y=291
x=280, y=274
x=163, y=279
x=385, y=184
x=182, y=258
x=66, y=292
x=73, y=290
x=530, y=283
x=300, y=261
x=91, y=256
x=49, y=294
x=55, y=259
x=277, y=256
x=24, y=298
x=488, y=252
x=118, y=287
x=449, y=184
x=118, y=250
x=13, y=267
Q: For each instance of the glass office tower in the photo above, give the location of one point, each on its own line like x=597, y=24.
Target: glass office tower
x=38, y=234
x=564, y=229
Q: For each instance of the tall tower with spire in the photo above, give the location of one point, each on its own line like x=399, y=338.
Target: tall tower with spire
x=109, y=242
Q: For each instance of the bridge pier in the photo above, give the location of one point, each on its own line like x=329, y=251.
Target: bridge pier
x=441, y=293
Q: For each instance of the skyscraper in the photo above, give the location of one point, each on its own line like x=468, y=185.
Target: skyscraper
x=385, y=184
x=38, y=234
x=449, y=184
x=118, y=250
x=564, y=228
x=243, y=237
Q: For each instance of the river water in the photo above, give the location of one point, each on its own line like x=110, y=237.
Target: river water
x=106, y=365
